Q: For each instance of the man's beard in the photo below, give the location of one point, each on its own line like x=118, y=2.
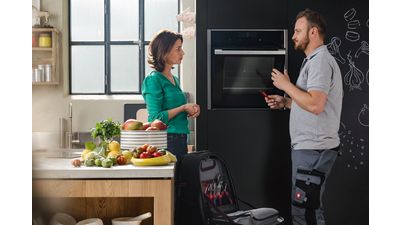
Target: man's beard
x=302, y=45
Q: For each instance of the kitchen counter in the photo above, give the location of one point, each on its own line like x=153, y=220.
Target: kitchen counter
x=86, y=192
x=60, y=168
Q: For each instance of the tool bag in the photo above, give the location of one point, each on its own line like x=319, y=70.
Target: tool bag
x=206, y=195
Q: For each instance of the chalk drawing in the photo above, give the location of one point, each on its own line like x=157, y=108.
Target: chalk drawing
x=363, y=116
x=354, y=24
x=349, y=15
x=333, y=48
x=354, y=77
x=364, y=48
x=352, y=36
x=354, y=149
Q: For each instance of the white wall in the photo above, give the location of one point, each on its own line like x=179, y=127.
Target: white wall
x=49, y=103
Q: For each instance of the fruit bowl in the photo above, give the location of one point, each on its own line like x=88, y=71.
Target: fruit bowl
x=157, y=161
x=132, y=138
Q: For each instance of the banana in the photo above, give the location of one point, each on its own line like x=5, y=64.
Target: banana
x=158, y=161
x=171, y=156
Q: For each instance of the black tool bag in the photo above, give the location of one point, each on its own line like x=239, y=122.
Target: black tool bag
x=206, y=195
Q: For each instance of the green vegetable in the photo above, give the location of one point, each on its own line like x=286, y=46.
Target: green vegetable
x=113, y=160
x=89, y=162
x=90, y=145
x=106, y=130
x=98, y=161
x=107, y=163
x=102, y=149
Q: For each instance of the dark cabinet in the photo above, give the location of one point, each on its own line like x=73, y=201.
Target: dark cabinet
x=249, y=14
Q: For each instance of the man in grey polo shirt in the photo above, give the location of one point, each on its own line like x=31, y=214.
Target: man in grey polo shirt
x=316, y=104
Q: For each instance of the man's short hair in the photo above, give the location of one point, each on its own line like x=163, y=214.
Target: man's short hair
x=314, y=20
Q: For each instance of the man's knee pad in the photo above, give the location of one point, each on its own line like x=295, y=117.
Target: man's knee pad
x=308, y=188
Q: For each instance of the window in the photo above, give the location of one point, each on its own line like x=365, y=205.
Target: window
x=109, y=43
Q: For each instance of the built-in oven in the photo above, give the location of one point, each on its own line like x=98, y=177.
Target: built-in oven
x=239, y=66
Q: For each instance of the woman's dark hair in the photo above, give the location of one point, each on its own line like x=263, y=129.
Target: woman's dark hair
x=314, y=20
x=160, y=46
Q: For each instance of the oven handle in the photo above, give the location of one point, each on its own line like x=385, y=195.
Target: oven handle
x=249, y=52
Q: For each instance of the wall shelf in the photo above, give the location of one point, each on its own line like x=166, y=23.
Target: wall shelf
x=45, y=55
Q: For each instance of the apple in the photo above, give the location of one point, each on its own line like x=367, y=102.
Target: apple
x=151, y=149
x=156, y=154
x=146, y=125
x=145, y=155
x=145, y=146
x=152, y=128
x=159, y=124
x=132, y=124
x=140, y=149
x=121, y=160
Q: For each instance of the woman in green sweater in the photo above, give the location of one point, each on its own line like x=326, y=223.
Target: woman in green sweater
x=162, y=93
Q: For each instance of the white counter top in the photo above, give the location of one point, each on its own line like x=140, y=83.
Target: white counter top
x=59, y=168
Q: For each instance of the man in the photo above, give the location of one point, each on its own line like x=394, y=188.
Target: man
x=316, y=104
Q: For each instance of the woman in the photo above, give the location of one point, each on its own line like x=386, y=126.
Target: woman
x=161, y=91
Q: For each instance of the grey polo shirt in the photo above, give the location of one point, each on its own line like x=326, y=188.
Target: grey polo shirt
x=319, y=72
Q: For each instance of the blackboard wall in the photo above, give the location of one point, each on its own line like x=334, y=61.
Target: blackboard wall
x=347, y=39
x=230, y=132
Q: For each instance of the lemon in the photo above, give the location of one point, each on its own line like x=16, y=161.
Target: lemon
x=113, y=154
x=114, y=146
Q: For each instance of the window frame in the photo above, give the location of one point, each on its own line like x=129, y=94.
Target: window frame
x=141, y=43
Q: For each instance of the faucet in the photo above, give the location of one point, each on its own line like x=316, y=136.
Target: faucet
x=68, y=135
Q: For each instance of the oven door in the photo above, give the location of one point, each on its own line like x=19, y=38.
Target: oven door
x=236, y=77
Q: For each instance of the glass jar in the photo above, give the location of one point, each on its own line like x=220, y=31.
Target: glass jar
x=45, y=40
x=34, y=40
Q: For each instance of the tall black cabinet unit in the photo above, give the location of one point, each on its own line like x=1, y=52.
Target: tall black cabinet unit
x=255, y=143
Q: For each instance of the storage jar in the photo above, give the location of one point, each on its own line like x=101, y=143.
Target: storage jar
x=45, y=40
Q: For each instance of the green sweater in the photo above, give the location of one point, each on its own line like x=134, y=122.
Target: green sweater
x=160, y=96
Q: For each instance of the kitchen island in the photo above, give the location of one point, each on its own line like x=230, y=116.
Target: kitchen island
x=106, y=193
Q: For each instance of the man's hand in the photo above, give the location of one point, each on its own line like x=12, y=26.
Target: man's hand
x=281, y=81
x=275, y=101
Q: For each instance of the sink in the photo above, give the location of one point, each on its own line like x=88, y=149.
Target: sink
x=58, y=153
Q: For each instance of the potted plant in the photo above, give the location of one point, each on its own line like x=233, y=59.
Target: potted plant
x=106, y=131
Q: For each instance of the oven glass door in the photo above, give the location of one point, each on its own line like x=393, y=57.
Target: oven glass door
x=238, y=76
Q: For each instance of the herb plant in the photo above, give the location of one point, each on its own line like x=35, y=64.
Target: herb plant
x=106, y=130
